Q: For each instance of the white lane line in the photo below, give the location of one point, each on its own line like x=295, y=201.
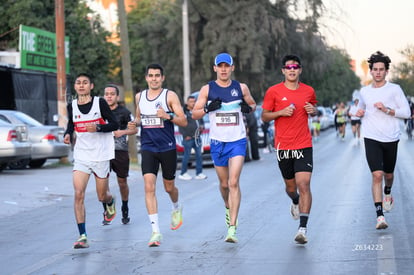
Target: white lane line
x=386, y=256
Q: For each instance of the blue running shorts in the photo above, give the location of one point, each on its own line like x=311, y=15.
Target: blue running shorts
x=221, y=152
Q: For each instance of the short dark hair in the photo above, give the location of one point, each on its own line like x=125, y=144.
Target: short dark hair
x=289, y=57
x=112, y=86
x=154, y=66
x=190, y=97
x=85, y=75
x=379, y=57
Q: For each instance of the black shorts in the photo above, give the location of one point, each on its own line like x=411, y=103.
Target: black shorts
x=293, y=161
x=381, y=156
x=355, y=122
x=120, y=164
x=151, y=162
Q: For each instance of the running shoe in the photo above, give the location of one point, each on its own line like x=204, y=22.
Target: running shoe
x=388, y=202
x=155, y=239
x=82, y=242
x=231, y=235
x=110, y=212
x=381, y=223
x=200, y=176
x=105, y=221
x=185, y=176
x=125, y=216
x=294, y=211
x=176, y=218
x=300, y=237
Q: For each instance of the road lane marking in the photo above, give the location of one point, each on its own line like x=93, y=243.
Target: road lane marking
x=386, y=256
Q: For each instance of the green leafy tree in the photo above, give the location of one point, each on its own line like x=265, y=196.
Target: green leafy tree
x=89, y=50
x=337, y=81
x=154, y=34
x=257, y=33
x=404, y=71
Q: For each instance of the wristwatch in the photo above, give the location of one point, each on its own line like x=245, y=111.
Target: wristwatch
x=98, y=127
x=171, y=117
x=388, y=110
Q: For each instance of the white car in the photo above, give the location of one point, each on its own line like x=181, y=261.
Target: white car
x=14, y=144
x=326, y=118
x=46, y=140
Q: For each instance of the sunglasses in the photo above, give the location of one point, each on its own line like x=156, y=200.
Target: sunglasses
x=292, y=66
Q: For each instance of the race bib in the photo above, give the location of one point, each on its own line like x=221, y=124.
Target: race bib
x=227, y=119
x=152, y=121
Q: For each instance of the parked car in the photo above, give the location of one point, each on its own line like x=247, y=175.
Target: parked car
x=270, y=130
x=326, y=118
x=46, y=140
x=14, y=144
x=205, y=140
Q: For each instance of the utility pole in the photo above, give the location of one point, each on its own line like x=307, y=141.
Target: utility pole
x=126, y=74
x=61, y=65
x=186, y=52
x=60, y=61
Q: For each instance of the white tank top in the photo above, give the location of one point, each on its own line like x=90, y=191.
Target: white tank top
x=95, y=146
x=226, y=123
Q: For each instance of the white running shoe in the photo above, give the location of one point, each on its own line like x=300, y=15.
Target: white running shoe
x=200, y=176
x=185, y=176
x=294, y=211
x=381, y=223
x=300, y=237
x=388, y=203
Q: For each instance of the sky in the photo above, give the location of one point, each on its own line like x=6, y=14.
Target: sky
x=362, y=27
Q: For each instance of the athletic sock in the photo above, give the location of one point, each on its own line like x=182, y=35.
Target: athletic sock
x=295, y=200
x=154, y=222
x=104, y=206
x=378, y=207
x=303, y=219
x=176, y=205
x=110, y=203
x=387, y=190
x=125, y=204
x=82, y=228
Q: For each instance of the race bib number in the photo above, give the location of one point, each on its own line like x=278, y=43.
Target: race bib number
x=227, y=119
x=152, y=121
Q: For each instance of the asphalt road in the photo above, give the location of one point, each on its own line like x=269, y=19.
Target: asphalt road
x=38, y=225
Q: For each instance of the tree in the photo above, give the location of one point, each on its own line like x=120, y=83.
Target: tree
x=404, y=71
x=257, y=33
x=337, y=81
x=155, y=37
x=89, y=50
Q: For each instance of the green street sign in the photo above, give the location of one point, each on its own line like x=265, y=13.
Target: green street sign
x=38, y=50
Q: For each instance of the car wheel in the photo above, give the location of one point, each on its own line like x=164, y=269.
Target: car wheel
x=19, y=164
x=37, y=163
x=3, y=166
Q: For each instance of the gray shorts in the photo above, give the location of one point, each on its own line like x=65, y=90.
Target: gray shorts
x=99, y=168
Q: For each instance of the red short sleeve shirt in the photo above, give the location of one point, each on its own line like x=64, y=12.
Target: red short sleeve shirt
x=293, y=132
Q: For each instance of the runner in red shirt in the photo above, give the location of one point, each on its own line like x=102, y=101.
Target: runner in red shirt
x=289, y=104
